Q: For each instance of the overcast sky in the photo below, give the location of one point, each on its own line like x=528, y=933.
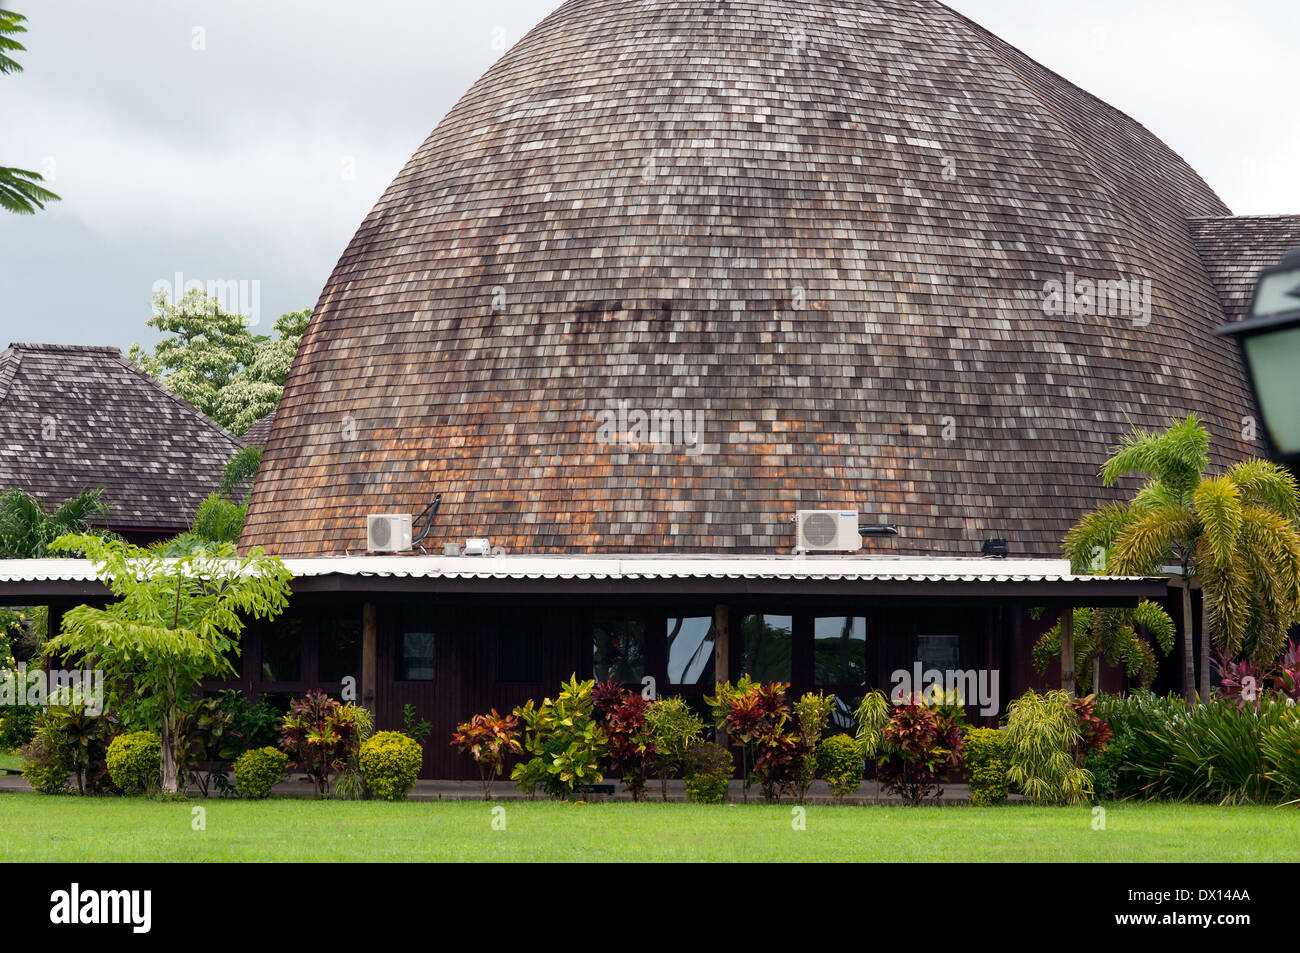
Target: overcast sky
x=246, y=139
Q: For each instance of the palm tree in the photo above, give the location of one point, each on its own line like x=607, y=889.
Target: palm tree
x=1234, y=533
x=19, y=191
x=26, y=529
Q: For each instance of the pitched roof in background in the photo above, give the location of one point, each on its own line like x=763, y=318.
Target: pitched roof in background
x=255, y=436
x=825, y=226
x=1236, y=249
x=77, y=418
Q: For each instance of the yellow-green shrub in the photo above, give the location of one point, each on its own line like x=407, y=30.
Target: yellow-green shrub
x=133, y=762
x=258, y=770
x=839, y=758
x=390, y=763
x=984, y=757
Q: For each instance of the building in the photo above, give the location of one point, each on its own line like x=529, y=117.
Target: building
x=84, y=418
x=673, y=271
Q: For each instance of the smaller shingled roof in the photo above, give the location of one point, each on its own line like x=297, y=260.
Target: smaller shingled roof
x=75, y=418
x=1235, y=250
x=255, y=436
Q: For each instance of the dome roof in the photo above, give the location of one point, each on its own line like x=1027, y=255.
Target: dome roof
x=814, y=236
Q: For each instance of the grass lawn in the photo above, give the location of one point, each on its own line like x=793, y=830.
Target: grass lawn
x=68, y=828
x=10, y=760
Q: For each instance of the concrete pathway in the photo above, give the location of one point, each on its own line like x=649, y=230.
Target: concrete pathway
x=868, y=793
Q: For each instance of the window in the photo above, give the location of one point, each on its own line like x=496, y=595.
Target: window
x=416, y=663
x=767, y=647
x=939, y=652
x=618, y=650
x=519, y=653
x=840, y=651
x=340, y=648
x=690, y=651
x=282, y=650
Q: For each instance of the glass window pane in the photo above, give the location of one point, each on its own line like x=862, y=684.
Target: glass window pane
x=417, y=646
x=940, y=652
x=618, y=650
x=340, y=648
x=767, y=647
x=690, y=651
x=282, y=650
x=840, y=651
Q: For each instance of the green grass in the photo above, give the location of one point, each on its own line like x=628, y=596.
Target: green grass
x=64, y=828
x=10, y=760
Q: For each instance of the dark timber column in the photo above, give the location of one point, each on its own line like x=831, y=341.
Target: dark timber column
x=1067, y=649
x=369, y=655
x=722, y=652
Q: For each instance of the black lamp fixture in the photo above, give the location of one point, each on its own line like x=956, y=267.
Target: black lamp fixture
x=1269, y=338
x=997, y=548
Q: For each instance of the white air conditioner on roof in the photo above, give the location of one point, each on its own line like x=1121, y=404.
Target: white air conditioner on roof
x=834, y=531
x=388, y=532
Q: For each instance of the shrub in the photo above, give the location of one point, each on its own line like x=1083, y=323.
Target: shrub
x=674, y=729
x=812, y=713
x=84, y=740
x=629, y=746
x=320, y=735
x=839, y=758
x=17, y=726
x=565, y=740
x=1043, y=736
x=258, y=770
x=350, y=785
x=760, y=723
x=488, y=739
x=984, y=756
x=133, y=762
x=204, y=733
x=873, y=718
x=46, y=764
x=390, y=763
x=917, y=746
x=709, y=768
x=1281, y=747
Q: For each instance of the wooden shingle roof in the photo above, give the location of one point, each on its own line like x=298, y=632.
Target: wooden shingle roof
x=77, y=418
x=1236, y=249
x=827, y=227
x=255, y=436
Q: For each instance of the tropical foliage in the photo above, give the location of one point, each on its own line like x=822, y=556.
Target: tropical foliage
x=174, y=623
x=1234, y=533
x=20, y=190
x=27, y=529
x=210, y=357
x=489, y=740
x=1043, y=740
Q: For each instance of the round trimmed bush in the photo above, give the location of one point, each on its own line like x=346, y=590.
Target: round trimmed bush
x=986, y=758
x=258, y=770
x=390, y=763
x=133, y=762
x=839, y=759
x=708, y=772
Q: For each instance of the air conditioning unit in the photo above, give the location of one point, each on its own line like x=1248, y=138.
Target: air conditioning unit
x=834, y=531
x=388, y=532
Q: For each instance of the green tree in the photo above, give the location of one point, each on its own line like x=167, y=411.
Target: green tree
x=1234, y=534
x=19, y=191
x=174, y=623
x=210, y=358
x=27, y=529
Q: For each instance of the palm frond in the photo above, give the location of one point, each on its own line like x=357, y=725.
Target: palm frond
x=19, y=192
x=1264, y=483
x=1217, y=503
x=1148, y=542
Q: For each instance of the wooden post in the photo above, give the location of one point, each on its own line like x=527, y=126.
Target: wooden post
x=1067, y=649
x=721, y=652
x=369, y=654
